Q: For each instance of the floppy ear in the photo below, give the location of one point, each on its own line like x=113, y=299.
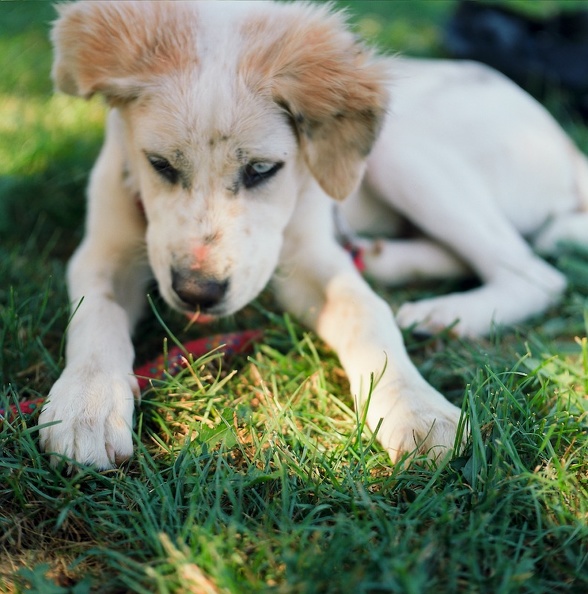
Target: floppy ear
x=117, y=48
x=332, y=87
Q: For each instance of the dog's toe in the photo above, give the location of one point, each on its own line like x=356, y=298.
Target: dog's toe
x=88, y=420
x=414, y=420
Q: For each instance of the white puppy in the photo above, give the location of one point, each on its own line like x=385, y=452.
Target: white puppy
x=233, y=126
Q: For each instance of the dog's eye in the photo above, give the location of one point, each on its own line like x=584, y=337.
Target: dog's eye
x=257, y=172
x=164, y=169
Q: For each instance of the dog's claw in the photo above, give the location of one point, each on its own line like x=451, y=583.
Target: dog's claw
x=89, y=419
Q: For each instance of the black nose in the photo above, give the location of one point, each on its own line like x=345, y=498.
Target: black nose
x=197, y=291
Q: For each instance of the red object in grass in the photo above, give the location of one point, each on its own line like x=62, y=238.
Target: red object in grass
x=173, y=362
x=26, y=407
x=176, y=358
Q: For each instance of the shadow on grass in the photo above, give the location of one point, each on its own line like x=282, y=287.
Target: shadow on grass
x=43, y=164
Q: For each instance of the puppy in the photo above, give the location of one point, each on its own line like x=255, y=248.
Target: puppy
x=233, y=130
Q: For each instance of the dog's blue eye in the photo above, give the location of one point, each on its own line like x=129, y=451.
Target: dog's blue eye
x=255, y=173
x=164, y=168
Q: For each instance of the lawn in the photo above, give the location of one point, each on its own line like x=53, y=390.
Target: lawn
x=252, y=473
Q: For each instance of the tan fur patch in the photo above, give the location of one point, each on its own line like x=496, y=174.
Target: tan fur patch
x=117, y=47
x=331, y=86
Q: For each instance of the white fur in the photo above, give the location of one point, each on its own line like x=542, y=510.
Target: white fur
x=467, y=157
x=476, y=165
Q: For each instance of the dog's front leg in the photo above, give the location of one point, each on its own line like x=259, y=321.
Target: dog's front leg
x=319, y=284
x=89, y=411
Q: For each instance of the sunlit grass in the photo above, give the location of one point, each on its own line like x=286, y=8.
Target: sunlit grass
x=243, y=488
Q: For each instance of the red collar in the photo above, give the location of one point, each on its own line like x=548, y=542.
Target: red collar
x=356, y=254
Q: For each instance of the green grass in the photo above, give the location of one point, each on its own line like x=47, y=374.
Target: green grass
x=264, y=480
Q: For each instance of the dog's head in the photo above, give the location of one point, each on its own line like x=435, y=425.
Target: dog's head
x=229, y=111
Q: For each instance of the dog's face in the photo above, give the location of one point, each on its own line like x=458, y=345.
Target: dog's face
x=229, y=111
x=218, y=171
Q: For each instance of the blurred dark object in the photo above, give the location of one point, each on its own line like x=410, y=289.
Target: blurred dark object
x=540, y=54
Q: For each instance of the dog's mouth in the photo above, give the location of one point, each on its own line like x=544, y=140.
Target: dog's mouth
x=194, y=313
x=199, y=317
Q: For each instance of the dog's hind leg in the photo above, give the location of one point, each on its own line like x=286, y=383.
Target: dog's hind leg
x=397, y=261
x=568, y=227
x=452, y=205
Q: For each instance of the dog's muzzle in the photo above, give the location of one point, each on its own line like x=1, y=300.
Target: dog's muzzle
x=196, y=291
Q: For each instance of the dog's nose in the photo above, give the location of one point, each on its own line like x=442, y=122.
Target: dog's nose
x=197, y=291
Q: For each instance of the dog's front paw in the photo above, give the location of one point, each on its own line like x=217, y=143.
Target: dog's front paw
x=414, y=420
x=91, y=415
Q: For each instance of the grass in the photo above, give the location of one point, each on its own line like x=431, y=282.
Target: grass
x=263, y=479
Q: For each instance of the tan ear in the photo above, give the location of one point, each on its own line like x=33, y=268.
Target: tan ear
x=332, y=87
x=117, y=48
